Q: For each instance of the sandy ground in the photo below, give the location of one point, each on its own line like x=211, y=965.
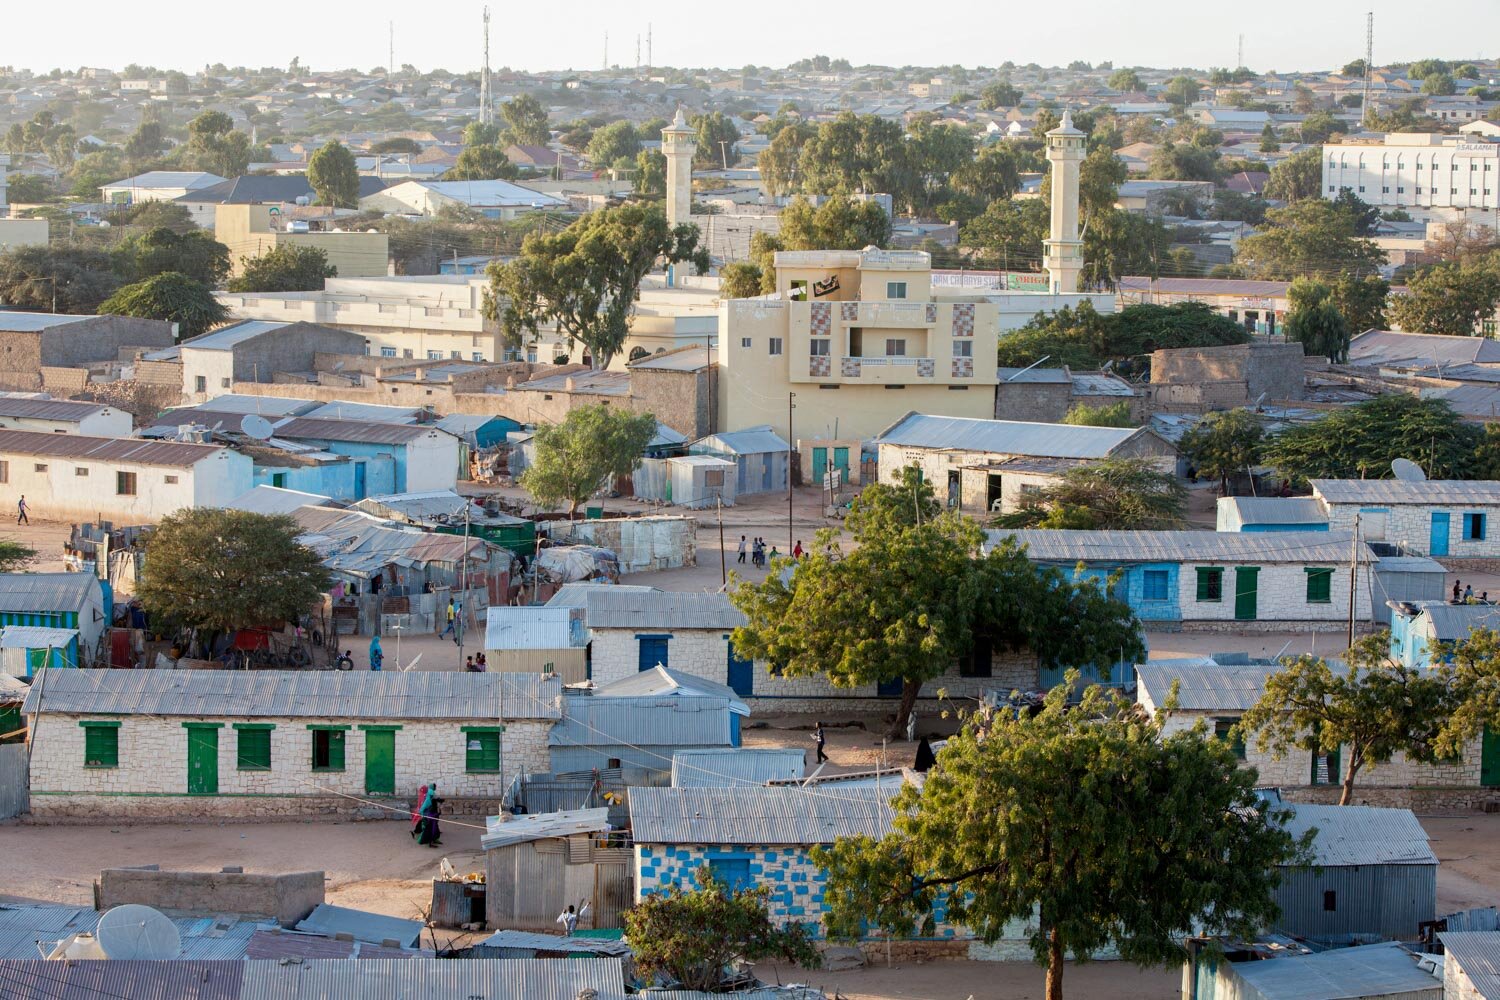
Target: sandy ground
x=963, y=980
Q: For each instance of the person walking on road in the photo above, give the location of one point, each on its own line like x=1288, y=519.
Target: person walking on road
x=819, y=739
x=450, y=629
x=21, y=510
x=741, y=559
x=377, y=655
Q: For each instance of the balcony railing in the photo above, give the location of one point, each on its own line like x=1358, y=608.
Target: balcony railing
x=888, y=368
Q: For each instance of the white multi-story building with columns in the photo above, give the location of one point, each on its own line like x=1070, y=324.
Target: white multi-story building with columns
x=1430, y=175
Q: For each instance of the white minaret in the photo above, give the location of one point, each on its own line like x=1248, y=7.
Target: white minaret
x=678, y=144
x=1065, y=152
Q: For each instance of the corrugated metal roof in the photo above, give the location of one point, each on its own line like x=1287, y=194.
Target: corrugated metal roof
x=1362, y=835
x=772, y=815
x=665, y=436
x=1205, y=685
x=492, y=194
x=594, y=383
x=364, y=411
x=613, y=607
x=363, y=431
x=608, y=947
x=1071, y=546
x=47, y=409
x=1374, y=970
x=1478, y=955
x=663, y=682
x=529, y=628
x=276, y=943
x=418, y=694
x=750, y=441
x=376, y=928
x=275, y=500
x=576, y=595
x=172, y=454
x=1390, y=348
x=46, y=591
x=229, y=337
x=593, y=720
x=433, y=979
x=1409, y=564
x=27, y=322
x=541, y=826
x=36, y=637
x=1276, y=510
x=266, y=406
x=135, y=980
x=1100, y=384
x=1033, y=376
x=1456, y=621
x=735, y=766
x=1394, y=491
x=1007, y=437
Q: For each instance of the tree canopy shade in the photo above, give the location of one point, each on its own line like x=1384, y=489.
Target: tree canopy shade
x=575, y=457
x=1298, y=177
x=1311, y=237
x=1107, y=415
x=214, y=145
x=651, y=173
x=615, y=141
x=223, y=570
x=1084, y=338
x=1450, y=298
x=170, y=296
x=1360, y=441
x=482, y=163
x=334, y=176
x=692, y=935
x=287, y=267
x=1000, y=94
x=586, y=278
x=1475, y=697
x=195, y=254
x=1372, y=711
x=527, y=121
x=1089, y=823
x=716, y=140
x=1127, y=80
x=1116, y=494
x=1320, y=329
x=908, y=602
x=1224, y=444
x=61, y=277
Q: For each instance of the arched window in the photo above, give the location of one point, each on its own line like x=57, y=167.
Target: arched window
x=637, y=353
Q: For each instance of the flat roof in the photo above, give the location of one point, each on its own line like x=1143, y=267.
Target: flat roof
x=1006, y=437
x=29, y=322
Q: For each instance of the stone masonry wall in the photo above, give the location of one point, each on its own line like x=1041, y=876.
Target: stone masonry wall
x=151, y=778
x=1411, y=526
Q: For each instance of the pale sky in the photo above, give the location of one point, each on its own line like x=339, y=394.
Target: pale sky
x=1283, y=35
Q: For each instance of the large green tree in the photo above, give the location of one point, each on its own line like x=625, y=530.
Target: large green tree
x=691, y=936
x=780, y=162
x=1116, y=494
x=839, y=223
x=1225, y=444
x=1000, y=94
x=1360, y=441
x=1296, y=178
x=576, y=457
x=1082, y=337
x=527, y=121
x=286, y=267
x=1008, y=234
x=172, y=297
x=651, y=173
x=1126, y=80
x=65, y=277
x=334, y=176
x=1182, y=161
x=256, y=573
x=1312, y=237
x=1450, y=298
x=1087, y=823
x=1364, y=714
x=196, y=254
x=717, y=136
x=1321, y=330
x=612, y=143
x=215, y=146
x=585, y=279
x=482, y=163
x=857, y=154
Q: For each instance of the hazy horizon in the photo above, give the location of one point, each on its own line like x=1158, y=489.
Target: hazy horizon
x=1283, y=35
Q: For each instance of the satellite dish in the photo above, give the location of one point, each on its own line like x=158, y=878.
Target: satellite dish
x=413, y=663
x=1408, y=471
x=254, y=425
x=138, y=933
x=1258, y=401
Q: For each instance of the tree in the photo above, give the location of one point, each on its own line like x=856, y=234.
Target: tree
x=1112, y=834
x=780, y=161
x=1001, y=94
x=527, y=120
x=1438, y=84
x=911, y=598
x=215, y=146
x=592, y=444
x=1270, y=141
x=615, y=141
x=1126, y=81
x=1355, y=68
x=690, y=936
x=1321, y=330
x=1297, y=177
x=257, y=559
x=716, y=140
x=1450, y=299
x=482, y=163
x=481, y=134
x=61, y=277
x=1116, y=494
x=1364, y=217
x=1224, y=444
x=1372, y=711
x=334, y=176
x=146, y=142
x=585, y=279
x=285, y=268
x=172, y=297
x=1231, y=206
x=1360, y=441
x=840, y=223
x=1108, y=415
x=651, y=173
x=1312, y=237
x=993, y=175
x=740, y=280
x=1008, y=234
x=396, y=144
x=1361, y=301
x=855, y=154
x=1084, y=338
x=24, y=189
x=195, y=254
x=1181, y=91
x=1183, y=162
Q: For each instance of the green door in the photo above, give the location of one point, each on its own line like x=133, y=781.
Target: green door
x=203, y=760
x=820, y=465
x=1245, y=580
x=1489, y=759
x=380, y=762
x=841, y=461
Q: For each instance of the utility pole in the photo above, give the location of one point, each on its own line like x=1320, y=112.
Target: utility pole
x=486, y=99
x=606, y=51
x=723, y=563
x=390, y=66
x=649, y=63
x=791, y=442
x=637, y=55
x=724, y=152
x=1353, y=576
x=1240, y=59
x=463, y=583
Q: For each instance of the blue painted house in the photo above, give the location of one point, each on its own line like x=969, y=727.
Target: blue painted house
x=424, y=457
x=1416, y=626
x=1441, y=518
x=74, y=602
x=1255, y=514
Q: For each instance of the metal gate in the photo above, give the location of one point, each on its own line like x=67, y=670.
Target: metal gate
x=614, y=891
x=13, y=797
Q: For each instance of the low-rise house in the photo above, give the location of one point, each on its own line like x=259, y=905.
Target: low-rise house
x=255, y=351
x=537, y=640
x=1384, y=971
x=1418, y=627
x=1471, y=965
x=36, y=603
x=539, y=864
x=964, y=458
x=286, y=191
x=250, y=231
x=1217, y=581
x=157, y=185
x=424, y=457
x=494, y=199
x=761, y=458
x=62, y=416
x=737, y=767
x=158, y=744
x=1442, y=518
x=1047, y=394
x=1256, y=514
x=124, y=480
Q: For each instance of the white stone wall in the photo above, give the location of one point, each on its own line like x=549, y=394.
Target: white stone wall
x=1456, y=982
x=1281, y=594
x=153, y=759
x=705, y=653
x=1411, y=526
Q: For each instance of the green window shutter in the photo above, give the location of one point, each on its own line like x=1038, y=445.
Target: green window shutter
x=1319, y=586
x=1224, y=730
x=1210, y=585
x=328, y=748
x=101, y=745
x=483, y=752
x=335, y=750
x=254, y=753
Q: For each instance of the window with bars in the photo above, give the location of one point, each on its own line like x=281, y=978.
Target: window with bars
x=327, y=749
x=1210, y=585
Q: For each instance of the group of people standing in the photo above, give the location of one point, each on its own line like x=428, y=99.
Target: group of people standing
x=757, y=550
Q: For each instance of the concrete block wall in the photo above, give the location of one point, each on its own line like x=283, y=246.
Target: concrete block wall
x=1281, y=594
x=151, y=778
x=1411, y=526
x=285, y=898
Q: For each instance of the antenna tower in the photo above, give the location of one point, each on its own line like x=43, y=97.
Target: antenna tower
x=606, y=51
x=390, y=66
x=1240, y=59
x=637, y=55
x=1364, y=104
x=486, y=100
x=649, y=63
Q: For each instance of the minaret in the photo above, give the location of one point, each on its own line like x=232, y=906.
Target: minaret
x=678, y=144
x=1064, y=250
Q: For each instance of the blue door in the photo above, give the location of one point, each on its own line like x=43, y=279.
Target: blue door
x=841, y=462
x=820, y=465
x=653, y=651
x=1438, y=545
x=733, y=872
x=359, y=480
x=741, y=673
